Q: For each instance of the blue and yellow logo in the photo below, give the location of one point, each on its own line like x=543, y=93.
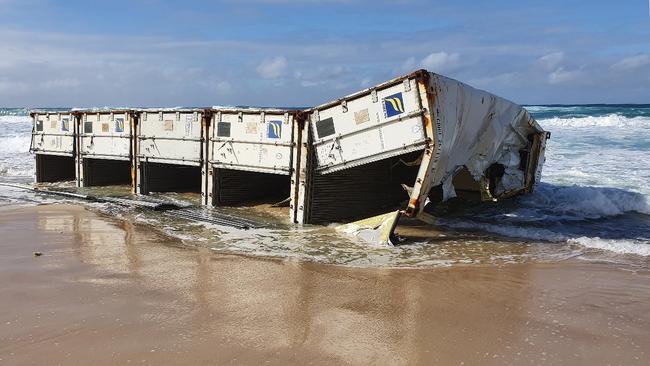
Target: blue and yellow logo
x=394, y=105
x=275, y=129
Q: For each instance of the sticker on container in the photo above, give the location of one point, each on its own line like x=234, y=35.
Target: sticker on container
x=119, y=124
x=168, y=125
x=88, y=127
x=65, y=125
x=251, y=128
x=39, y=125
x=188, y=125
x=393, y=105
x=104, y=127
x=362, y=116
x=53, y=125
x=275, y=129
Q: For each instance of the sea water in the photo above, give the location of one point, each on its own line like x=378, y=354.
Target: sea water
x=593, y=202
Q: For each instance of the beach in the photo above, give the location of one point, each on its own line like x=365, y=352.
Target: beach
x=106, y=291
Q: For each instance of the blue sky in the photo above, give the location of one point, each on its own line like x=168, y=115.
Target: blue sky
x=306, y=52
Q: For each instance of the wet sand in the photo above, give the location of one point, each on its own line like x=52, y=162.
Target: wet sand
x=109, y=292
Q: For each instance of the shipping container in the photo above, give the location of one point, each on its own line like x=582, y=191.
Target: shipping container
x=105, y=147
x=53, y=143
x=250, y=155
x=411, y=143
x=170, y=151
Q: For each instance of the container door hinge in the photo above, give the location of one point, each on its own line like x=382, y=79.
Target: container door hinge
x=344, y=106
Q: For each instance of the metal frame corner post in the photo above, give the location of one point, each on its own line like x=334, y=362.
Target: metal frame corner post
x=302, y=175
x=134, y=121
x=422, y=184
x=76, y=150
x=206, y=150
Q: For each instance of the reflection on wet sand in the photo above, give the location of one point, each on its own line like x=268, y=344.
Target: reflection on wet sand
x=195, y=306
x=361, y=316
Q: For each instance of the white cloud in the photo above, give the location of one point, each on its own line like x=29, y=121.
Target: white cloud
x=223, y=87
x=273, y=68
x=409, y=65
x=632, y=62
x=440, y=61
x=551, y=61
x=509, y=78
x=560, y=75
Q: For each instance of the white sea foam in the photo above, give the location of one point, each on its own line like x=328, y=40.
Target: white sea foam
x=610, y=120
x=16, y=119
x=15, y=160
x=586, y=202
x=617, y=246
x=14, y=144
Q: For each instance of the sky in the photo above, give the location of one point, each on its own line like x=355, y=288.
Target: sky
x=300, y=53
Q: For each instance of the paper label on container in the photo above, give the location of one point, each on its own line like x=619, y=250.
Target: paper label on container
x=168, y=125
x=362, y=116
x=188, y=125
x=251, y=128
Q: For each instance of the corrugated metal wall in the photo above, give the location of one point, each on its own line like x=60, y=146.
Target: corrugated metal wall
x=157, y=177
x=233, y=187
x=104, y=172
x=362, y=191
x=54, y=168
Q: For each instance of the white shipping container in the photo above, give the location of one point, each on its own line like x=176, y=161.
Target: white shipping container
x=451, y=133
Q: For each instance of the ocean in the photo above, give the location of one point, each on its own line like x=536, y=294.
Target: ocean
x=593, y=202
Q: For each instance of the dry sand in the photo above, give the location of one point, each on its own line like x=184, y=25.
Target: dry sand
x=109, y=292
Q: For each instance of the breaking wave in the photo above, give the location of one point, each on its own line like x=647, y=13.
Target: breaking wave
x=594, y=217
x=15, y=136
x=14, y=144
x=581, y=203
x=610, y=120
